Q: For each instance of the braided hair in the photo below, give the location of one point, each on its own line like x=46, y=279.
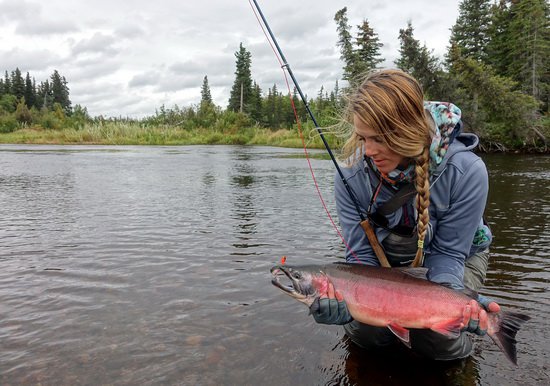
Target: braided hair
x=391, y=102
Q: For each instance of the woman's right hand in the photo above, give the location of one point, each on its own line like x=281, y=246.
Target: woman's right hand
x=330, y=308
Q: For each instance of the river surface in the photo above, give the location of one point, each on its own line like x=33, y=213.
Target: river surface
x=150, y=265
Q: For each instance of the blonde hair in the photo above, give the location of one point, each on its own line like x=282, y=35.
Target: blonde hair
x=391, y=103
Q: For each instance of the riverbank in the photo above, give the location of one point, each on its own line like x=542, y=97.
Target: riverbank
x=120, y=133
x=124, y=133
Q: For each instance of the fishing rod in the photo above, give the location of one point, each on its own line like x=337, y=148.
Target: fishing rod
x=286, y=66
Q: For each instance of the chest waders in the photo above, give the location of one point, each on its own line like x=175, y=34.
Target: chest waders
x=400, y=246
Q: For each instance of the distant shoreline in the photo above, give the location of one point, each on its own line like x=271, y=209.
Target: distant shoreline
x=132, y=135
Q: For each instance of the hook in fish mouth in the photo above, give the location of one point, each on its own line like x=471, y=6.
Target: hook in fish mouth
x=293, y=289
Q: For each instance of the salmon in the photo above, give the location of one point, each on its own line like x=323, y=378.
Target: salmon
x=396, y=298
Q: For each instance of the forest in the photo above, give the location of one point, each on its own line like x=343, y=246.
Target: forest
x=496, y=69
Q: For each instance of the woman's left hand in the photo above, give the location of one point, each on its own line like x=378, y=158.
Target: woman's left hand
x=475, y=315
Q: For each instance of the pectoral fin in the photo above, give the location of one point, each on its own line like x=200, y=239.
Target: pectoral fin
x=449, y=328
x=401, y=332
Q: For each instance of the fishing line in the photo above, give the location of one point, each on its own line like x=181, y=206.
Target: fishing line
x=284, y=65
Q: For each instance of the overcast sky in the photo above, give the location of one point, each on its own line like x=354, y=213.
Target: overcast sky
x=128, y=58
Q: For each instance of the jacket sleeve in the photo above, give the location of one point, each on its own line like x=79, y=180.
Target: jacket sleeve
x=358, y=248
x=455, y=228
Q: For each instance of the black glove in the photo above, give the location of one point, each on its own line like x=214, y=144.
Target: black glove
x=330, y=311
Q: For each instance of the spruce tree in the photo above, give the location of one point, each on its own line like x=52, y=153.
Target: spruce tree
x=256, y=110
x=471, y=30
x=207, y=112
x=498, y=47
x=17, y=84
x=60, y=92
x=242, y=87
x=529, y=39
x=206, y=96
x=347, y=53
x=368, y=48
x=7, y=83
x=418, y=61
x=30, y=91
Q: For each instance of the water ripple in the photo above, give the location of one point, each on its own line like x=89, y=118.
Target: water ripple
x=150, y=265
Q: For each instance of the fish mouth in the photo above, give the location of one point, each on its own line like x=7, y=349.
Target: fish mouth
x=278, y=272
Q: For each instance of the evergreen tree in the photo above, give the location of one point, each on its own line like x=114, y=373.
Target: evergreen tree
x=30, y=92
x=7, y=83
x=368, y=50
x=256, y=109
x=276, y=110
x=207, y=113
x=498, y=49
x=17, y=84
x=336, y=91
x=271, y=108
x=529, y=39
x=242, y=87
x=347, y=53
x=418, y=61
x=60, y=92
x=471, y=30
x=321, y=101
x=206, y=96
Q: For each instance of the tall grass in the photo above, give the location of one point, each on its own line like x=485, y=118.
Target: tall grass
x=132, y=133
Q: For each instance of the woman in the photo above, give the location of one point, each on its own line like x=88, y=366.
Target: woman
x=399, y=142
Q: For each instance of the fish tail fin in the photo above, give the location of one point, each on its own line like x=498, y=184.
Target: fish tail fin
x=503, y=327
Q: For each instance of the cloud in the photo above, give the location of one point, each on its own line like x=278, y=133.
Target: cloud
x=144, y=80
x=29, y=60
x=99, y=43
x=129, y=31
x=12, y=10
x=30, y=21
x=46, y=27
x=141, y=54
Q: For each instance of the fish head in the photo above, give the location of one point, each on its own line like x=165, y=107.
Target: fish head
x=306, y=283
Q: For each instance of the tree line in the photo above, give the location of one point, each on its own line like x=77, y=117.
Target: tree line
x=48, y=92
x=24, y=103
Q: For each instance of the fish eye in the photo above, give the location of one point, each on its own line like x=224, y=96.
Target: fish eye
x=296, y=275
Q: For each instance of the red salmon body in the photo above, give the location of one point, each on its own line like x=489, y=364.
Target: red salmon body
x=396, y=298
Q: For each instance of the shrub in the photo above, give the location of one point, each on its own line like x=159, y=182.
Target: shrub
x=8, y=123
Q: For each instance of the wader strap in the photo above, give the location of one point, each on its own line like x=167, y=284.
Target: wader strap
x=398, y=200
x=375, y=244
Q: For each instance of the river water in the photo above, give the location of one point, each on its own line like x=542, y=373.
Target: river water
x=150, y=265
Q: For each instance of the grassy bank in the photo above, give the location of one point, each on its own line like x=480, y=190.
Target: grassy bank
x=135, y=133
x=123, y=133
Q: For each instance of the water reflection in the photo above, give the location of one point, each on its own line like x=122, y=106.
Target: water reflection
x=243, y=199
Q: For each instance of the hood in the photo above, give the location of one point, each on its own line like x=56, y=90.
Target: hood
x=448, y=138
x=463, y=142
